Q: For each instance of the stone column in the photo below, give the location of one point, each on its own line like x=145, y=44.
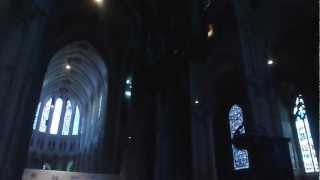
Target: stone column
x=203, y=151
x=256, y=52
x=19, y=58
x=173, y=127
x=203, y=142
x=139, y=153
x=266, y=152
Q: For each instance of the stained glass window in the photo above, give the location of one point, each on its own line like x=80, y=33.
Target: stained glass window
x=100, y=104
x=35, y=121
x=45, y=116
x=305, y=140
x=76, y=122
x=67, y=119
x=240, y=157
x=56, y=116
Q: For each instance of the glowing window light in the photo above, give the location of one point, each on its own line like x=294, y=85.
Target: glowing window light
x=240, y=157
x=128, y=94
x=304, y=135
x=56, y=116
x=45, y=116
x=100, y=104
x=67, y=119
x=35, y=121
x=76, y=122
x=128, y=88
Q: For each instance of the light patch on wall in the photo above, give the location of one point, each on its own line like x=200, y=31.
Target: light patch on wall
x=99, y=2
x=211, y=31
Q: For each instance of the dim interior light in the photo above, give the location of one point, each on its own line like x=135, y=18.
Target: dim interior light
x=128, y=93
x=210, y=31
x=270, y=62
x=99, y=2
x=68, y=67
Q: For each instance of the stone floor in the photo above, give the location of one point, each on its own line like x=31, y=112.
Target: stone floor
x=35, y=174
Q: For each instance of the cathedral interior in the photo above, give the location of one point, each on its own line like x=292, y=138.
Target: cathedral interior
x=159, y=89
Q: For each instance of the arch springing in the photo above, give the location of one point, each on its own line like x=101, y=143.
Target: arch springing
x=240, y=157
x=304, y=135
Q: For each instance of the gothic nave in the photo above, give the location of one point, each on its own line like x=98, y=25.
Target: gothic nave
x=159, y=90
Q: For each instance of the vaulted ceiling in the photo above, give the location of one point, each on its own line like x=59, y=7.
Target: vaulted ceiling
x=77, y=72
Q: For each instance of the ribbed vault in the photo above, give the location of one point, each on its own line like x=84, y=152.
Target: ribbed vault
x=86, y=78
x=78, y=75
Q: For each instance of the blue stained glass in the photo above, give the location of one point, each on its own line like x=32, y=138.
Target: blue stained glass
x=67, y=119
x=240, y=157
x=304, y=135
x=76, y=122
